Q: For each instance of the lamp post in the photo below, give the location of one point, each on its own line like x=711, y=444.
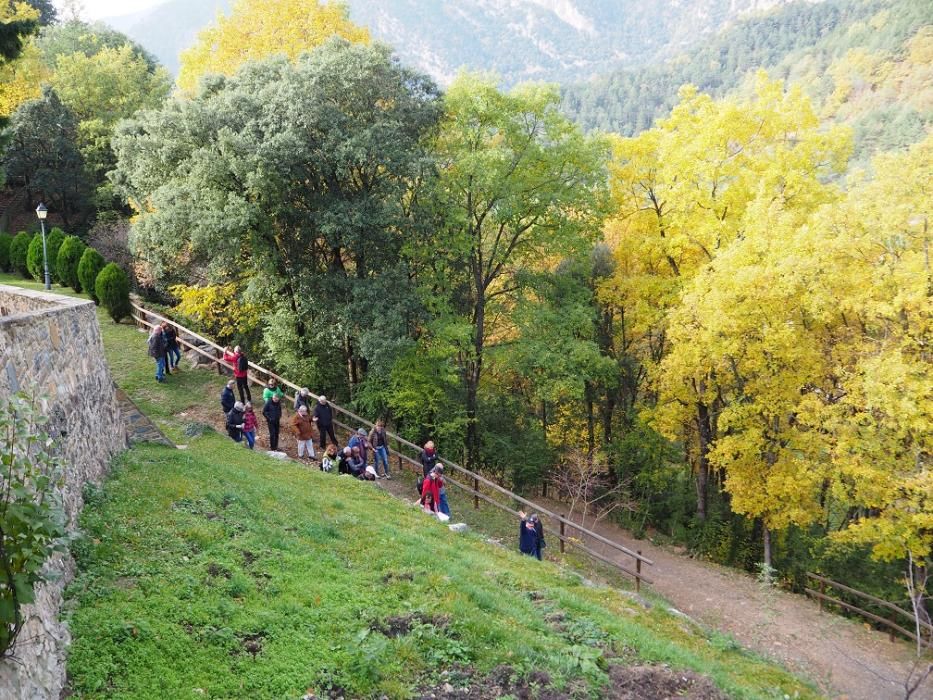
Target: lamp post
x=42, y=212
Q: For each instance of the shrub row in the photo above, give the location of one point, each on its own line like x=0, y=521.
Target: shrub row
x=72, y=264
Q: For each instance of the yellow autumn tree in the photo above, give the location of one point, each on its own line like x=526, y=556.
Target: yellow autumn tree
x=259, y=28
x=684, y=193
x=20, y=79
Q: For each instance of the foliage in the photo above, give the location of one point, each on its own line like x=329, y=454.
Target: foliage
x=316, y=225
x=258, y=29
x=112, y=288
x=43, y=157
x=21, y=80
x=36, y=255
x=217, y=309
x=5, y=241
x=89, y=268
x=66, y=262
x=32, y=520
x=17, y=56
x=66, y=39
x=19, y=253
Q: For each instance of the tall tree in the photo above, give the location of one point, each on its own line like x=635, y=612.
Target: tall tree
x=293, y=177
x=519, y=185
x=44, y=159
x=257, y=29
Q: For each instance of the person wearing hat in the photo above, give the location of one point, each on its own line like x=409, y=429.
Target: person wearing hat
x=235, y=422
x=324, y=419
x=303, y=430
x=359, y=440
x=528, y=536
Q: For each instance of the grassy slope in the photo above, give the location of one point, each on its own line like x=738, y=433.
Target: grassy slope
x=216, y=572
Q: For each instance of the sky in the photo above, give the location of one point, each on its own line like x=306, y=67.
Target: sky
x=98, y=9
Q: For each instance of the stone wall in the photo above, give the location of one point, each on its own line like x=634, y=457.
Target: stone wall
x=51, y=346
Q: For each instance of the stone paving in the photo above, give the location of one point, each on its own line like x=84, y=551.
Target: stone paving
x=138, y=426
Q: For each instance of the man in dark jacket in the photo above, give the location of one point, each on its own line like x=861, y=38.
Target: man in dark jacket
x=303, y=398
x=235, y=422
x=157, y=351
x=527, y=536
x=273, y=415
x=227, y=398
x=428, y=458
x=324, y=418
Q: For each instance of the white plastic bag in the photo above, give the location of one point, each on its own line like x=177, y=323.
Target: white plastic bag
x=443, y=517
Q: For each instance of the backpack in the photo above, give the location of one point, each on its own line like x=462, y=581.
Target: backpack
x=242, y=364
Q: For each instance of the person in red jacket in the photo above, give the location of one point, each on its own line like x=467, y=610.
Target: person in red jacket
x=430, y=493
x=237, y=358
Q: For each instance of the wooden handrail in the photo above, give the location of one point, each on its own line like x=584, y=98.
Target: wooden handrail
x=143, y=319
x=821, y=595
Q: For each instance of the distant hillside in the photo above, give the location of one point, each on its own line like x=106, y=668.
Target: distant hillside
x=553, y=40
x=866, y=62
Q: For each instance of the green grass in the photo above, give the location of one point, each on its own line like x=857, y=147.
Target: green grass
x=215, y=572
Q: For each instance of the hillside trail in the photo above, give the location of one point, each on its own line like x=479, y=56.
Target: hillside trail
x=844, y=658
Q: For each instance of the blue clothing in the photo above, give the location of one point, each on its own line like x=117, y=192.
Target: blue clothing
x=381, y=453
x=443, y=507
x=160, y=368
x=527, y=539
x=250, y=436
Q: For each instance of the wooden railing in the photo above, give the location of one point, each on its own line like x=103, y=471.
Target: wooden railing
x=558, y=526
x=895, y=612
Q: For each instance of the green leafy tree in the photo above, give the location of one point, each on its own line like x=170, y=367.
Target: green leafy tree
x=113, y=289
x=519, y=187
x=32, y=519
x=66, y=263
x=89, y=267
x=286, y=176
x=5, y=241
x=43, y=157
x=19, y=253
x=74, y=36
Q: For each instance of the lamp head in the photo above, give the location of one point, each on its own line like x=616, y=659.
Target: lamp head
x=42, y=211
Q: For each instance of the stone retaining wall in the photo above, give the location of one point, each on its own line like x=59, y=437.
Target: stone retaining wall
x=50, y=346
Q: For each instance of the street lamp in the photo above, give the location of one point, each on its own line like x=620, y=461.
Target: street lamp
x=42, y=212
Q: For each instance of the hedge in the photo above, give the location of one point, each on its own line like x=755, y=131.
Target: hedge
x=19, y=251
x=34, y=261
x=89, y=267
x=66, y=264
x=113, y=290
x=5, y=241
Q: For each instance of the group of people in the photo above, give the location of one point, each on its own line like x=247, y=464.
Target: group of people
x=315, y=414
x=164, y=349
x=310, y=414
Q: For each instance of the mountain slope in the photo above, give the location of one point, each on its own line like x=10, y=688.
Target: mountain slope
x=865, y=62
x=553, y=40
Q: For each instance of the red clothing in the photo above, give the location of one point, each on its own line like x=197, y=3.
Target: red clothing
x=232, y=358
x=431, y=486
x=249, y=422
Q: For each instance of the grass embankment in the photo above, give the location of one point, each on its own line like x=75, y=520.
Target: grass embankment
x=217, y=572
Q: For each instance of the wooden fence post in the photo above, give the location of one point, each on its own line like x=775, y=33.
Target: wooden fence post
x=398, y=451
x=544, y=489
x=562, y=533
x=475, y=493
x=219, y=355
x=822, y=593
x=638, y=572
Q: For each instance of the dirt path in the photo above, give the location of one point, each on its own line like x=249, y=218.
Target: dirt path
x=845, y=659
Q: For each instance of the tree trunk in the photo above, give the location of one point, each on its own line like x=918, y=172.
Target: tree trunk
x=766, y=540
x=474, y=368
x=544, y=418
x=590, y=421
x=705, y=431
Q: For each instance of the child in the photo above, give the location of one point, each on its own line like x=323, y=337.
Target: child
x=329, y=461
x=249, y=425
x=427, y=502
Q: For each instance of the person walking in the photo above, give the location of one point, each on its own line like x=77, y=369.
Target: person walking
x=379, y=441
x=539, y=529
x=249, y=425
x=441, y=486
x=324, y=419
x=303, y=430
x=157, y=351
x=172, y=351
x=272, y=387
x=227, y=398
x=235, y=422
x=240, y=363
x=527, y=536
x=303, y=398
x=428, y=458
x=272, y=411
